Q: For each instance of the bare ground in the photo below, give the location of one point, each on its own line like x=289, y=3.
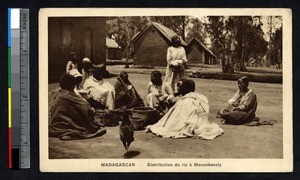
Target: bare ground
x=236, y=142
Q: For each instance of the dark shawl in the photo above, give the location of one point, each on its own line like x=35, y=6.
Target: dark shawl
x=245, y=115
x=125, y=97
x=72, y=118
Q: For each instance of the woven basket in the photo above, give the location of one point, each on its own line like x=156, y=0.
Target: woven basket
x=147, y=114
x=138, y=123
x=107, y=119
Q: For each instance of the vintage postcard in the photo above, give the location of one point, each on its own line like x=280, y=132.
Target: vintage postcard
x=165, y=90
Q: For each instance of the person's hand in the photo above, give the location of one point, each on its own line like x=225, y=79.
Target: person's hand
x=84, y=94
x=235, y=104
x=235, y=108
x=169, y=98
x=174, y=99
x=158, y=95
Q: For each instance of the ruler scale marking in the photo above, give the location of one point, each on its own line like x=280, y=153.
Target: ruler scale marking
x=24, y=89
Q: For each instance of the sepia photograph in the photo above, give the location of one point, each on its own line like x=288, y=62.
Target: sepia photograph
x=165, y=90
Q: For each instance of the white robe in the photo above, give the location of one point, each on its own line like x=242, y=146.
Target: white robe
x=101, y=91
x=188, y=117
x=172, y=77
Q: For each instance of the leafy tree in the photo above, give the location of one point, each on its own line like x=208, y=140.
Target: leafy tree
x=237, y=39
x=195, y=29
x=122, y=30
x=274, y=53
x=176, y=23
x=277, y=53
x=220, y=39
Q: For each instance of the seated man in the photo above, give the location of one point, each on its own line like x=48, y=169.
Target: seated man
x=187, y=117
x=71, y=115
x=242, y=106
x=102, y=93
x=126, y=95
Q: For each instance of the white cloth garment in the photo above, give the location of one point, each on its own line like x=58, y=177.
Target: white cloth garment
x=100, y=91
x=188, y=117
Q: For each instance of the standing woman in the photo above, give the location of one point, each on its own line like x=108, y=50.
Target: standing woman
x=176, y=59
x=72, y=64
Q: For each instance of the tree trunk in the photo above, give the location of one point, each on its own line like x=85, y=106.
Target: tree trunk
x=128, y=42
x=239, y=61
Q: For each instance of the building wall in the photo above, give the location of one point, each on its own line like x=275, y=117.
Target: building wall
x=150, y=49
x=85, y=36
x=195, y=55
x=113, y=53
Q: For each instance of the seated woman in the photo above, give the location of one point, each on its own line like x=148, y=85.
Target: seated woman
x=102, y=93
x=72, y=63
x=158, y=92
x=78, y=79
x=187, y=117
x=71, y=115
x=242, y=106
x=126, y=95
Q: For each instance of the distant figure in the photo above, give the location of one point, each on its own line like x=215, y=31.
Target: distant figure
x=188, y=117
x=126, y=95
x=71, y=115
x=72, y=63
x=242, y=106
x=157, y=92
x=101, y=91
x=176, y=60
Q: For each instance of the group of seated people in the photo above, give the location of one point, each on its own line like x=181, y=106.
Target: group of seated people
x=183, y=114
x=91, y=92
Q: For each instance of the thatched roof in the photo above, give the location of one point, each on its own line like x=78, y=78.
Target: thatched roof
x=166, y=32
x=110, y=43
x=202, y=45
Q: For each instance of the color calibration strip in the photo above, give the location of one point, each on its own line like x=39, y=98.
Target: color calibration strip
x=18, y=89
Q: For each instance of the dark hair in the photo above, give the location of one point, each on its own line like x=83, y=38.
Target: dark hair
x=86, y=65
x=98, y=74
x=72, y=56
x=67, y=82
x=187, y=86
x=245, y=79
x=175, y=41
x=78, y=80
x=124, y=76
x=156, y=78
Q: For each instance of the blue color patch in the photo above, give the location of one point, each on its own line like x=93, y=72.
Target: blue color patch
x=8, y=27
